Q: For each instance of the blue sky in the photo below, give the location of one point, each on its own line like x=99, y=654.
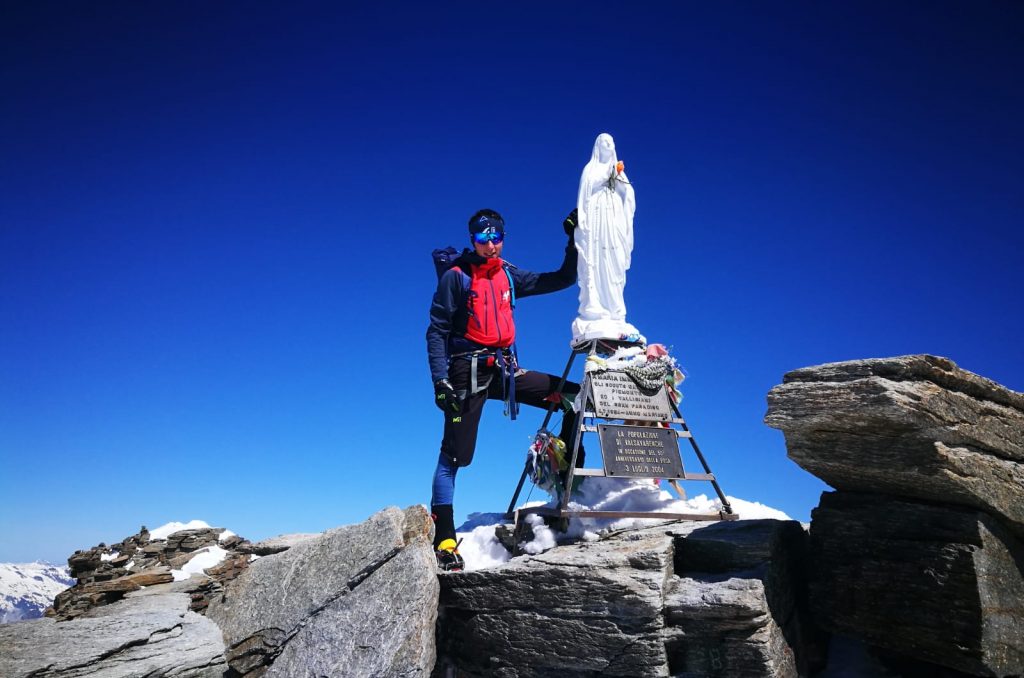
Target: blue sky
x=217, y=219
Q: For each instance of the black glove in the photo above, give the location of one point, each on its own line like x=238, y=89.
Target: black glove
x=445, y=397
x=570, y=223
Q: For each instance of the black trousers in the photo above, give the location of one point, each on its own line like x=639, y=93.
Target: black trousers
x=532, y=388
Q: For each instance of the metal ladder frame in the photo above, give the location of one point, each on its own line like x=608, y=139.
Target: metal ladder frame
x=606, y=347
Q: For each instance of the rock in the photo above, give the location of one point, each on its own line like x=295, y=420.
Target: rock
x=725, y=627
x=79, y=599
x=187, y=541
x=280, y=543
x=741, y=601
x=632, y=605
x=151, y=577
x=151, y=563
x=357, y=600
x=915, y=426
x=138, y=636
x=588, y=609
x=942, y=584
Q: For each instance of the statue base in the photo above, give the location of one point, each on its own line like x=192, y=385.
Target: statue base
x=585, y=331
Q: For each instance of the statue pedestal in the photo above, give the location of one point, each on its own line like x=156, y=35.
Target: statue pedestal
x=586, y=331
x=642, y=441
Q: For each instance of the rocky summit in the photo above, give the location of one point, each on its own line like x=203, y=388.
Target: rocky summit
x=357, y=600
x=914, y=426
x=919, y=550
x=677, y=599
x=914, y=562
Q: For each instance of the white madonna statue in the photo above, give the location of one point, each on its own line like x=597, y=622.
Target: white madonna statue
x=604, y=240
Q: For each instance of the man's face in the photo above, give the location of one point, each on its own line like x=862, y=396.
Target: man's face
x=488, y=244
x=488, y=249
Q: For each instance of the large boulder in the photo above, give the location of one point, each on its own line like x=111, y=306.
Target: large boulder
x=638, y=603
x=359, y=600
x=914, y=426
x=942, y=584
x=141, y=635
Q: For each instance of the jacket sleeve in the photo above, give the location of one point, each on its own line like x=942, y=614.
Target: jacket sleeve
x=442, y=312
x=529, y=283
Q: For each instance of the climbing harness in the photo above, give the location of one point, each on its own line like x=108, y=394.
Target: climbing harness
x=507, y=364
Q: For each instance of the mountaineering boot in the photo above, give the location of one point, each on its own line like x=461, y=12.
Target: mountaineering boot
x=446, y=549
x=448, y=558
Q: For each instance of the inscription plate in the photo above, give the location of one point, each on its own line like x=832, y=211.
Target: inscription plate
x=616, y=396
x=640, y=451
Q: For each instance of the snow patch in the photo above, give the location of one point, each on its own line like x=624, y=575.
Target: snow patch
x=167, y=530
x=203, y=559
x=225, y=535
x=481, y=549
x=109, y=556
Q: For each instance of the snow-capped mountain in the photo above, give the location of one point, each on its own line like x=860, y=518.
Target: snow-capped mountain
x=27, y=589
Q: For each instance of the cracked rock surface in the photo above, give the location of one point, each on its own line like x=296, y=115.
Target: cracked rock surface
x=638, y=603
x=356, y=600
x=140, y=635
x=920, y=551
x=913, y=426
x=942, y=584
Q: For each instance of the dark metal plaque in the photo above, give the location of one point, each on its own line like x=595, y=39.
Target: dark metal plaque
x=616, y=396
x=640, y=451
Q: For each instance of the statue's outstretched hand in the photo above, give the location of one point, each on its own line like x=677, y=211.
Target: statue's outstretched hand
x=570, y=222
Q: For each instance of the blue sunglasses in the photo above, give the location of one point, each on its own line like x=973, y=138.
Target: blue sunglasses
x=489, y=235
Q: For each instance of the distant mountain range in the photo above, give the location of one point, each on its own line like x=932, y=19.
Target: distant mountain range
x=27, y=589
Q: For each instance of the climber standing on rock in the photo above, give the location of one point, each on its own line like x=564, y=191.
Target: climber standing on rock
x=471, y=350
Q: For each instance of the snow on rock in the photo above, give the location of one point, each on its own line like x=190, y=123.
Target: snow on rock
x=481, y=549
x=203, y=559
x=225, y=535
x=27, y=589
x=109, y=556
x=167, y=530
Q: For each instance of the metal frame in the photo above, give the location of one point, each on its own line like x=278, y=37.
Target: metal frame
x=593, y=347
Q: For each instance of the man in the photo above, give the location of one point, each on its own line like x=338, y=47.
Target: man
x=471, y=350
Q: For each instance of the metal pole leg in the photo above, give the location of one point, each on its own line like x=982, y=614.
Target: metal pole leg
x=580, y=423
x=544, y=425
x=703, y=462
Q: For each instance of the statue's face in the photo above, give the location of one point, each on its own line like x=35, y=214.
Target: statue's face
x=605, y=147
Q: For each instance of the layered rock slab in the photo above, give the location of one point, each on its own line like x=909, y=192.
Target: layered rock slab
x=357, y=600
x=942, y=584
x=737, y=606
x=915, y=426
x=140, y=635
x=616, y=607
x=582, y=610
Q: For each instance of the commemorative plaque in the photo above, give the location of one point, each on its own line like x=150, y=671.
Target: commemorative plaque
x=616, y=396
x=640, y=452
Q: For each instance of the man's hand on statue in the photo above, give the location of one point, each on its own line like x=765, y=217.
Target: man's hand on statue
x=570, y=222
x=445, y=397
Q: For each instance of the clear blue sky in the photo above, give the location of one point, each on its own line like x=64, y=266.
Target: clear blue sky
x=216, y=223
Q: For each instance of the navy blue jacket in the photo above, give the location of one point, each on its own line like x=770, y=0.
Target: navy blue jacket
x=449, y=310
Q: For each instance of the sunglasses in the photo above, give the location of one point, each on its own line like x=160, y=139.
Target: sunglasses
x=489, y=235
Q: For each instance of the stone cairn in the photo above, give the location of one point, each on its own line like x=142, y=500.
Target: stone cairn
x=919, y=551
x=106, y=573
